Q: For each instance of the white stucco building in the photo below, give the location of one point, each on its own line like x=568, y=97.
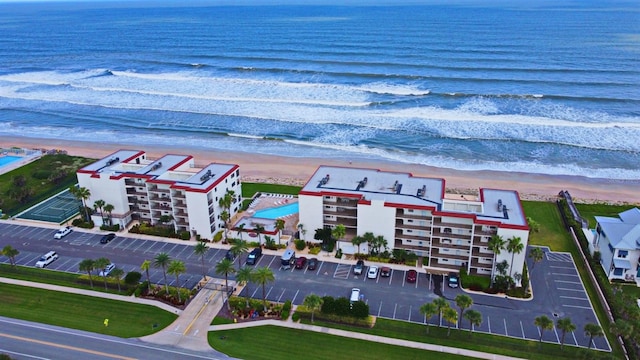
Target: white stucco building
x=449, y=231
x=618, y=240
x=143, y=189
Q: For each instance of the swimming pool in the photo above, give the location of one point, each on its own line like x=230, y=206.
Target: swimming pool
x=6, y=160
x=277, y=212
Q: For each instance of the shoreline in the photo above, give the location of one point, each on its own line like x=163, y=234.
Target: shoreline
x=296, y=171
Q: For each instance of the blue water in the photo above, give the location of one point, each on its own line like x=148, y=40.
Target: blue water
x=529, y=86
x=277, y=212
x=5, y=160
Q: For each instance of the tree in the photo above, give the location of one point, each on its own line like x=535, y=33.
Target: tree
x=162, y=261
x=313, y=302
x=592, y=330
x=87, y=265
x=279, y=226
x=622, y=328
x=240, y=229
x=81, y=193
x=145, y=267
x=225, y=203
x=502, y=267
x=380, y=243
x=357, y=241
x=536, y=254
x=238, y=248
x=474, y=317
x=264, y=275
x=544, y=323
x=102, y=263
x=176, y=268
x=514, y=246
x=370, y=239
x=11, y=253
x=464, y=302
x=201, y=249
x=441, y=304
x=225, y=267
x=225, y=217
x=117, y=274
x=496, y=244
x=244, y=277
x=258, y=228
x=339, y=232
x=533, y=225
x=301, y=231
x=451, y=316
x=565, y=325
x=98, y=205
x=428, y=310
x=108, y=208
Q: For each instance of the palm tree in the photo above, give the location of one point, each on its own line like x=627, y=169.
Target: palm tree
x=102, y=263
x=514, y=246
x=162, y=261
x=313, y=302
x=565, y=325
x=544, y=323
x=224, y=215
x=225, y=203
x=451, y=316
x=264, y=275
x=108, y=208
x=428, y=310
x=259, y=229
x=87, y=265
x=339, y=232
x=81, y=193
x=279, y=226
x=441, y=304
x=225, y=267
x=201, y=249
x=622, y=328
x=145, y=267
x=11, y=253
x=177, y=267
x=238, y=248
x=381, y=242
x=244, y=276
x=496, y=244
x=474, y=317
x=301, y=231
x=370, y=239
x=117, y=274
x=464, y=302
x=536, y=254
x=593, y=330
x=357, y=241
x=99, y=205
x=240, y=229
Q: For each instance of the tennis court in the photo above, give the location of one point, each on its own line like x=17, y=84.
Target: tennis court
x=58, y=209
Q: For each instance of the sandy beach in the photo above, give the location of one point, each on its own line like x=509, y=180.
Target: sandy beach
x=296, y=171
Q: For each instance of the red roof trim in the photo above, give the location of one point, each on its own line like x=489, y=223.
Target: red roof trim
x=189, y=157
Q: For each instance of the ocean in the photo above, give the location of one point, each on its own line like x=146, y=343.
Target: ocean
x=531, y=87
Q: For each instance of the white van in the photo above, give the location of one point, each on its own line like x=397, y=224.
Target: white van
x=287, y=259
x=47, y=259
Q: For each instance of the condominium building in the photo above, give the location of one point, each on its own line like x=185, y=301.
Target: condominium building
x=171, y=187
x=448, y=231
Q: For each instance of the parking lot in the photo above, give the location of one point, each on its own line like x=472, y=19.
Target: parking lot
x=557, y=289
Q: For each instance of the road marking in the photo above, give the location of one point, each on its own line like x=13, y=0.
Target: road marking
x=319, y=267
x=281, y=295
x=573, y=297
x=380, y=308
x=295, y=296
x=567, y=289
x=566, y=281
x=394, y=310
x=142, y=242
x=204, y=306
x=574, y=337
x=74, y=348
x=522, y=328
x=505, y=327
x=409, y=313
x=489, y=324
x=579, y=307
x=561, y=274
x=555, y=331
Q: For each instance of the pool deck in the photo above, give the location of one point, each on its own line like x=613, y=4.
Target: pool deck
x=18, y=163
x=266, y=201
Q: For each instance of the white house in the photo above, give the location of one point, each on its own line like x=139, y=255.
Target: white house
x=449, y=231
x=618, y=240
x=146, y=190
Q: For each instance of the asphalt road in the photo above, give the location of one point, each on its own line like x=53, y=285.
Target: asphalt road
x=558, y=291
x=27, y=340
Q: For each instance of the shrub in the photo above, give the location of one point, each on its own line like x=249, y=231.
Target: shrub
x=315, y=250
x=300, y=245
x=115, y=227
x=82, y=224
x=217, y=237
x=295, y=317
x=41, y=174
x=132, y=278
x=286, y=306
x=339, y=254
x=185, y=235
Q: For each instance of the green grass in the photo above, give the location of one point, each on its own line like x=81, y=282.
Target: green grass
x=552, y=232
x=42, y=188
x=589, y=211
x=82, y=312
x=249, y=189
x=274, y=342
x=219, y=320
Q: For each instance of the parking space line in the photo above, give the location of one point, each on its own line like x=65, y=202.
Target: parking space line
x=394, y=310
x=142, y=242
x=271, y=262
x=573, y=297
x=184, y=247
x=319, y=268
x=280, y=297
x=74, y=266
x=380, y=309
x=269, y=292
x=566, y=281
x=151, y=247
x=573, y=333
x=578, y=307
x=505, y=327
x=489, y=324
x=561, y=274
x=130, y=243
x=522, y=329
x=390, y=276
x=556, y=332
x=567, y=289
x=409, y=313
x=295, y=296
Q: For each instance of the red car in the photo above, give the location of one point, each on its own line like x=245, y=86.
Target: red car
x=301, y=262
x=412, y=275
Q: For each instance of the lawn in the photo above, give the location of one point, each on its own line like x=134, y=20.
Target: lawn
x=552, y=232
x=274, y=342
x=589, y=211
x=37, y=179
x=249, y=189
x=81, y=312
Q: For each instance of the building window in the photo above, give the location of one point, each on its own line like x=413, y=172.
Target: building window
x=408, y=241
x=623, y=253
x=618, y=271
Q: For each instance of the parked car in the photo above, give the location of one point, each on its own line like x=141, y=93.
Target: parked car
x=412, y=275
x=229, y=255
x=454, y=280
x=62, y=232
x=359, y=268
x=373, y=272
x=47, y=259
x=107, y=238
x=312, y=264
x=385, y=271
x=107, y=270
x=253, y=256
x=301, y=262
x=355, y=295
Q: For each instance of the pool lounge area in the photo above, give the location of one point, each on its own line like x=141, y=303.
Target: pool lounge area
x=277, y=212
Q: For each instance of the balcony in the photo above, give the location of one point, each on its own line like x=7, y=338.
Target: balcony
x=340, y=211
x=180, y=204
x=476, y=252
x=346, y=222
x=400, y=213
x=343, y=202
x=460, y=255
x=413, y=246
x=476, y=264
x=415, y=225
x=450, y=235
x=479, y=231
x=440, y=223
x=134, y=191
x=443, y=243
x=159, y=190
x=178, y=195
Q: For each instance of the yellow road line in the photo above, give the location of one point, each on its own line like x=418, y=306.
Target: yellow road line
x=204, y=306
x=88, y=351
